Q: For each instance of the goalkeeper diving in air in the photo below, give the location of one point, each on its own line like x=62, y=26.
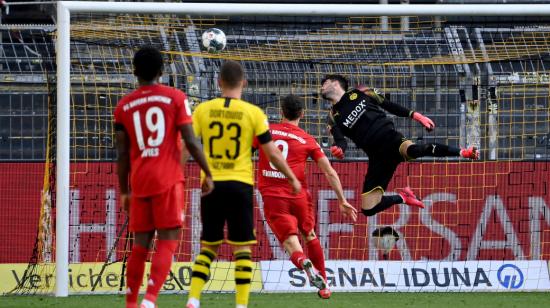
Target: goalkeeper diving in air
x=359, y=114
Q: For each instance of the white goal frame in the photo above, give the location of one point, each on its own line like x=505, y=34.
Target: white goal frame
x=63, y=56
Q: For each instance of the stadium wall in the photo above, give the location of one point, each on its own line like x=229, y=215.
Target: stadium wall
x=494, y=213
x=282, y=276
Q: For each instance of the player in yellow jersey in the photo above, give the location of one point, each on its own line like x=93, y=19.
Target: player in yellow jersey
x=227, y=126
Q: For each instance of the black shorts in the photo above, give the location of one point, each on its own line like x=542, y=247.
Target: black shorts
x=231, y=202
x=383, y=161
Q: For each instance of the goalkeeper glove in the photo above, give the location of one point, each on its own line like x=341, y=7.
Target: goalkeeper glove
x=425, y=121
x=337, y=152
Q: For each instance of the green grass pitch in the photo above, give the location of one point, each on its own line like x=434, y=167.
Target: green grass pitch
x=304, y=300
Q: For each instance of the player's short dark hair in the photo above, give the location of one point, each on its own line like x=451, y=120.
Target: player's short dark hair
x=336, y=77
x=148, y=63
x=231, y=74
x=292, y=107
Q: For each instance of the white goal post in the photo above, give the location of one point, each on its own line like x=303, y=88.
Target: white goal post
x=66, y=8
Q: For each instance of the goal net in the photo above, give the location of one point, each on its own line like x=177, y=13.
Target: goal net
x=484, y=81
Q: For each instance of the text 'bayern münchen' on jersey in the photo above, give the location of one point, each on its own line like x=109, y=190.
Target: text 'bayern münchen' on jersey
x=151, y=117
x=227, y=127
x=296, y=146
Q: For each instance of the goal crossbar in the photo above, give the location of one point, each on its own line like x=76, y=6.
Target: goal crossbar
x=308, y=9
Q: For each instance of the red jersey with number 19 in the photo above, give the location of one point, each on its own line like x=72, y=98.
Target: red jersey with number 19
x=151, y=116
x=296, y=146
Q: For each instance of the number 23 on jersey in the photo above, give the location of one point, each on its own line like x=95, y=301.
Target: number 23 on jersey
x=216, y=145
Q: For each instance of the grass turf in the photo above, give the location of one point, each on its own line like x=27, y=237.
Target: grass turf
x=303, y=300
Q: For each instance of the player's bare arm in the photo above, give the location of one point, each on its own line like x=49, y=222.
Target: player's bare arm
x=195, y=149
x=276, y=158
x=184, y=156
x=123, y=167
x=332, y=177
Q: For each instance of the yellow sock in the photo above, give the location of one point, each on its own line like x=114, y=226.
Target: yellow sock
x=201, y=272
x=243, y=276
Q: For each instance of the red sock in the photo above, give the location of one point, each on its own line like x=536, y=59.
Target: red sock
x=297, y=257
x=160, y=267
x=315, y=253
x=134, y=273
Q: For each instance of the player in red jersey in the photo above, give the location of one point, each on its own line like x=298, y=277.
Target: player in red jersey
x=288, y=214
x=149, y=124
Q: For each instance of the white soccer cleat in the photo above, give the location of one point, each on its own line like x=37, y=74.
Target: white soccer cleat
x=313, y=274
x=193, y=303
x=147, y=304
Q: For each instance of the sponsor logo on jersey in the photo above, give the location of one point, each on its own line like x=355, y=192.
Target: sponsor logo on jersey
x=353, y=96
x=355, y=114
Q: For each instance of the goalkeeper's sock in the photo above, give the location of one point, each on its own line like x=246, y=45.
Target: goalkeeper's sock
x=432, y=149
x=135, y=267
x=297, y=258
x=316, y=255
x=160, y=267
x=201, y=272
x=243, y=276
x=385, y=203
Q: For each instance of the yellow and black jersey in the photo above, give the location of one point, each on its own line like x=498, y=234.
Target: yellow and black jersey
x=227, y=127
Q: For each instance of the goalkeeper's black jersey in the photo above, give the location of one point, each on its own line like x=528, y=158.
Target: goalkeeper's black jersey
x=362, y=118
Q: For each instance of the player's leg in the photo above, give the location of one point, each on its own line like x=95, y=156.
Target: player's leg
x=285, y=227
x=302, y=262
x=373, y=200
x=303, y=210
x=410, y=150
x=167, y=215
x=213, y=221
x=167, y=243
x=294, y=249
x=240, y=234
x=315, y=253
x=135, y=266
x=282, y=215
x=143, y=229
x=201, y=273
x=379, y=175
x=381, y=168
x=243, y=274
x=314, y=265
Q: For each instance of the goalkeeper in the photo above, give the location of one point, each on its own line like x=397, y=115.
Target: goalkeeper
x=359, y=114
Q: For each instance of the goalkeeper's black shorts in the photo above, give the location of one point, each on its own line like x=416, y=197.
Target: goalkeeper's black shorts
x=383, y=161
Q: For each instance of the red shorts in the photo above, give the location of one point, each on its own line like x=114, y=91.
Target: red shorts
x=162, y=211
x=288, y=216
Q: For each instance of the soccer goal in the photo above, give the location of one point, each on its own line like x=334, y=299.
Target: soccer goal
x=481, y=72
